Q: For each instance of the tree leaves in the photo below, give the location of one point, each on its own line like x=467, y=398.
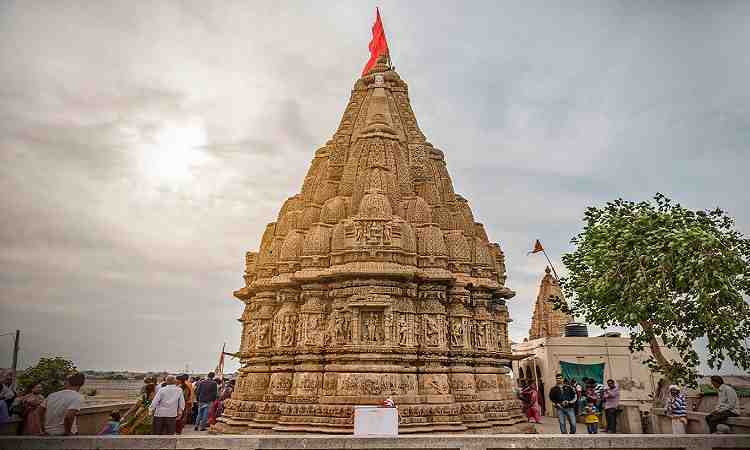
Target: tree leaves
x=50, y=372
x=664, y=272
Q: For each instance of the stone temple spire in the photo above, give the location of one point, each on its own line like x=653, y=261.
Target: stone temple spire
x=375, y=280
x=547, y=321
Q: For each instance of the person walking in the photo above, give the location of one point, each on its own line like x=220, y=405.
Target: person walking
x=136, y=421
x=677, y=410
x=61, y=408
x=531, y=400
x=167, y=405
x=563, y=396
x=611, y=404
x=727, y=405
x=207, y=391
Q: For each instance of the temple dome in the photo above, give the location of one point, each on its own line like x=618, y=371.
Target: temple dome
x=338, y=238
x=458, y=246
x=292, y=247
x=335, y=210
x=430, y=241
x=375, y=204
x=288, y=222
x=317, y=240
x=417, y=211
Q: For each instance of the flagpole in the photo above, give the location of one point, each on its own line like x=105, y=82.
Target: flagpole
x=552, y=266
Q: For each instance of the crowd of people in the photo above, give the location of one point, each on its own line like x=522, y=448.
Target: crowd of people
x=163, y=408
x=590, y=399
x=597, y=404
x=167, y=407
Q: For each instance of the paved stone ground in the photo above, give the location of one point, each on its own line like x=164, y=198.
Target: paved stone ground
x=550, y=425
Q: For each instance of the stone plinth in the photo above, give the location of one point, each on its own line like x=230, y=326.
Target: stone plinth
x=456, y=442
x=375, y=281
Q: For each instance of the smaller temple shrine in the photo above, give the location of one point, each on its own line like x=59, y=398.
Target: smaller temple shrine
x=547, y=321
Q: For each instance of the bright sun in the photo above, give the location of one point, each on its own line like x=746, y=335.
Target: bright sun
x=174, y=152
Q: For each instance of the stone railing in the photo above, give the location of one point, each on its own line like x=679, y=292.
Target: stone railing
x=660, y=423
x=91, y=419
x=452, y=442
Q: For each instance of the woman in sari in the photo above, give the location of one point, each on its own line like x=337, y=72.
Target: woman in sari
x=531, y=400
x=137, y=420
x=32, y=420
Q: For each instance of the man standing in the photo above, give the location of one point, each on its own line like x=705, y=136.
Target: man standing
x=207, y=391
x=727, y=406
x=563, y=396
x=611, y=403
x=677, y=410
x=61, y=408
x=168, y=404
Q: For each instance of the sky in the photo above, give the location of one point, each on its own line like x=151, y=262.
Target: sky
x=145, y=145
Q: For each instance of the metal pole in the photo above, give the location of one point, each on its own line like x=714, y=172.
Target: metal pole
x=15, y=352
x=552, y=266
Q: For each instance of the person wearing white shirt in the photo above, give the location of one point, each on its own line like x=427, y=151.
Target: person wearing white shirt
x=166, y=406
x=60, y=408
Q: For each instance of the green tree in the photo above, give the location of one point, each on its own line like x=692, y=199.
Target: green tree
x=666, y=273
x=49, y=372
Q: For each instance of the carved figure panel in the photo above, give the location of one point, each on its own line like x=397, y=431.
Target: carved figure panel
x=457, y=332
x=350, y=384
x=371, y=323
x=264, y=334
x=281, y=383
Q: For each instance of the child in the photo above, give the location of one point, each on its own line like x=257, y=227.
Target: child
x=113, y=425
x=590, y=418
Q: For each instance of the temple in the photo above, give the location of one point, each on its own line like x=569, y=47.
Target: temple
x=547, y=321
x=375, y=281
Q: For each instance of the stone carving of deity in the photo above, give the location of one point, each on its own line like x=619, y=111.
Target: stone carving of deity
x=481, y=335
x=359, y=232
x=250, y=335
x=339, y=328
x=457, y=333
x=376, y=232
x=312, y=330
x=287, y=334
x=371, y=326
x=387, y=327
x=403, y=330
x=431, y=331
x=386, y=233
x=264, y=334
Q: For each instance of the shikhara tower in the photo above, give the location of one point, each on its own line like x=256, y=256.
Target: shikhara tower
x=375, y=281
x=548, y=321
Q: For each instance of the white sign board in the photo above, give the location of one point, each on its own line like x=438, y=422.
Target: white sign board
x=375, y=421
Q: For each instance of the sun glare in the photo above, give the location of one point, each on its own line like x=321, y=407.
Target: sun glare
x=175, y=152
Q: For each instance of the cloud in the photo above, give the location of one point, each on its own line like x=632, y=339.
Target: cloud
x=143, y=150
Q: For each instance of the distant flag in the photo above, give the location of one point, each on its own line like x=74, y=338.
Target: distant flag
x=378, y=44
x=537, y=247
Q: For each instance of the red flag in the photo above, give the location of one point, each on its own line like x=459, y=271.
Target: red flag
x=378, y=44
x=537, y=247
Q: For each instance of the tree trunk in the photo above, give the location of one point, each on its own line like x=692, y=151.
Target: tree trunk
x=660, y=359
